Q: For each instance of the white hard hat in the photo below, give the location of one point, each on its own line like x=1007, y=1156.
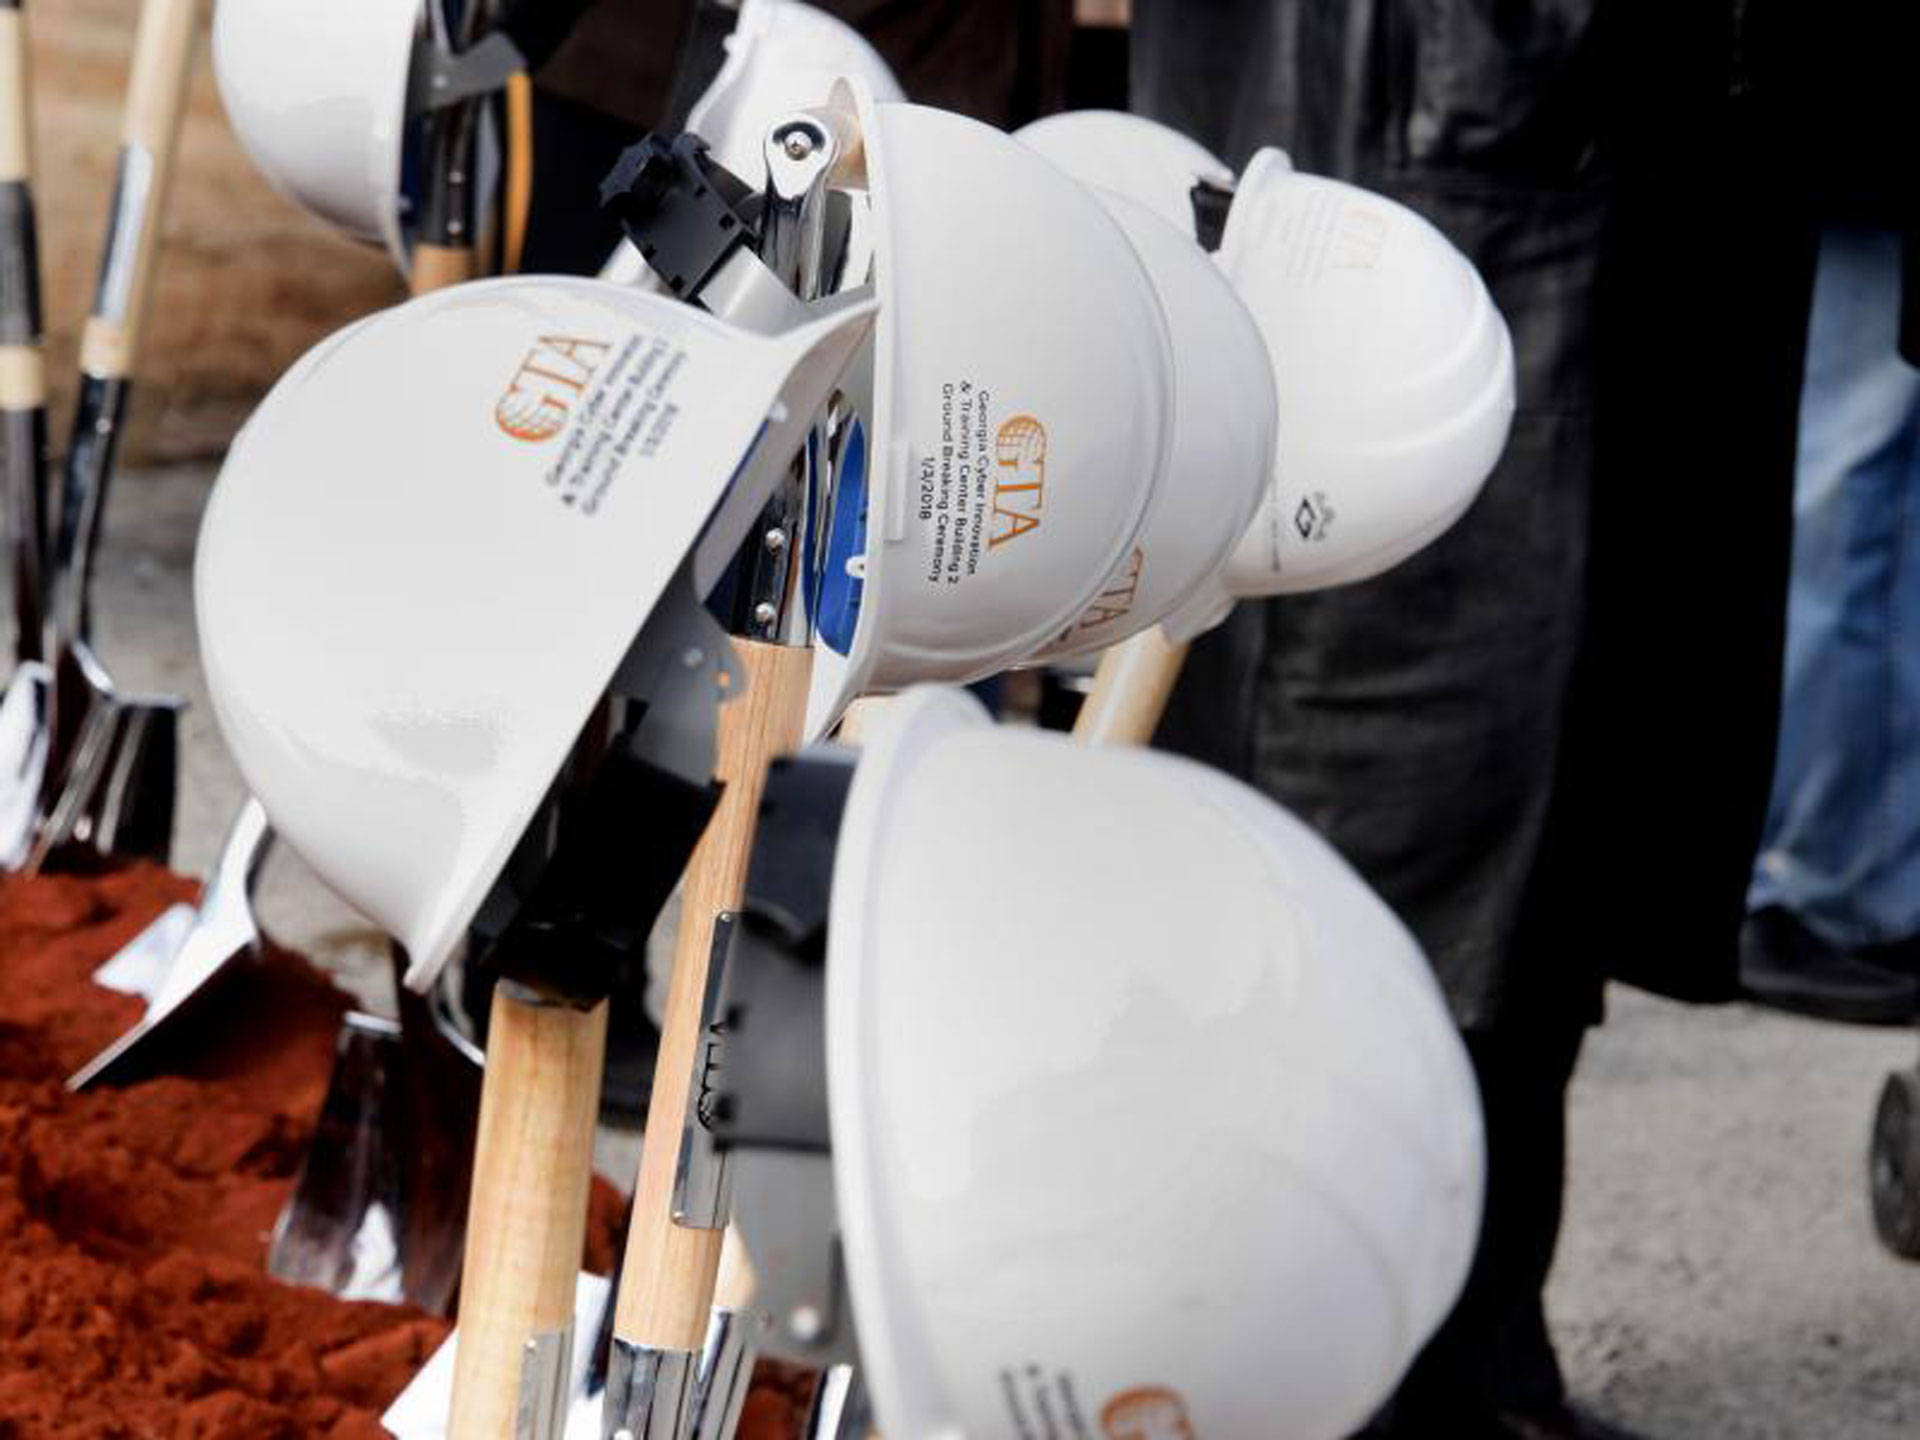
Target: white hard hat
x=317, y=96
x=1393, y=369
x=1222, y=459
x=435, y=541
x=1149, y=163
x=1394, y=373
x=1022, y=405
x=1143, y=1107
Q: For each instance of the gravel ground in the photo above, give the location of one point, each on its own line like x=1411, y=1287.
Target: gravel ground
x=1719, y=1278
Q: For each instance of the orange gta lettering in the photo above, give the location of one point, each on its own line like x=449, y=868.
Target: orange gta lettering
x=1116, y=601
x=544, y=389
x=1020, y=488
x=1151, y=1413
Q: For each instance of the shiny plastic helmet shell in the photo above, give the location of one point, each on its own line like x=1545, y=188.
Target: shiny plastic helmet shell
x=1393, y=369
x=1394, y=373
x=1143, y=1106
x=1221, y=464
x=1021, y=405
x=1151, y=164
x=317, y=97
x=435, y=541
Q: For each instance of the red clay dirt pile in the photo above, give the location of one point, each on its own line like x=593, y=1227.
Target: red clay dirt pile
x=134, y=1222
x=133, y=1298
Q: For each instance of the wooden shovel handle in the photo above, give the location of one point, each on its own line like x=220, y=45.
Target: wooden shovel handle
x=860, y=719
x=23, y=371
x=532, y=1169
x=23, y=377
x=149, y=137
x=1130, y=690
x=437, y=266
x=16, y=102
x=23, y=383
x=667, y=1286
x=736, y=1282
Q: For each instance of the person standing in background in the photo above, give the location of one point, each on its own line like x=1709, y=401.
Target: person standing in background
x=1546, y=739
x=1835, y=928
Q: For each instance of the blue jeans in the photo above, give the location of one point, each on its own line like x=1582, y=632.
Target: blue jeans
x=1841, y=849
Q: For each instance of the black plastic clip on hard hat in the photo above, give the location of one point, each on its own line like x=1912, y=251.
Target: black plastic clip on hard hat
x=685, y=213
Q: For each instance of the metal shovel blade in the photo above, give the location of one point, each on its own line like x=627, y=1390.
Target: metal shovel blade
x=841, y=1409
x=341, y=1230
x=127, y=813
x=424, y=1409
x=26, y=713
x=439, y=1116
x=379, y=1211
x=140, y=966
x=114, y=795
x=223, y=931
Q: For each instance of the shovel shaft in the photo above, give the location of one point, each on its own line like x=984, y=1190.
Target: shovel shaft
x=98, y=411
x=437, y=266
x=533, y=1166
x=444, y=254
x=725, y=1372
x=734, y=1284
x=1130, y=690
x=23, y=384
x=149, y=137
x=667, y=1286
x=24, y=437
x=16, y=108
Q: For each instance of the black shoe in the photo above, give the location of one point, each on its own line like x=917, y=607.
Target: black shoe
x=1561, y=1422
x=1785, y=965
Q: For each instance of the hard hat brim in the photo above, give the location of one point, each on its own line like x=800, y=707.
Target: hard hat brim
x=404, y=627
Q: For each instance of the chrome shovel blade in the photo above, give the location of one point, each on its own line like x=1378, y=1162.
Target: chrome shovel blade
x=140, y=966
x=424, y=1409
x=112, y=797
x=341, y=1228
x=129, y=813
x=223, y=931
x=841, y=1410
x=26, y=714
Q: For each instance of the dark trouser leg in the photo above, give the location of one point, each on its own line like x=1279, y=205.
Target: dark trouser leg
x=1493, y=1353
